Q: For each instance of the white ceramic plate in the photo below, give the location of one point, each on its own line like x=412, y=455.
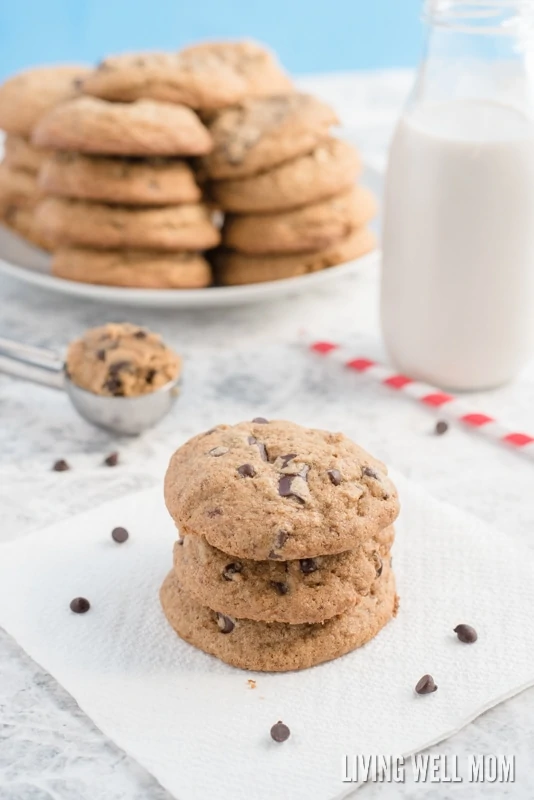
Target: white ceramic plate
x=26, y=263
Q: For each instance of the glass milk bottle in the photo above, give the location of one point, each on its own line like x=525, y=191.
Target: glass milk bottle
x=457, y=298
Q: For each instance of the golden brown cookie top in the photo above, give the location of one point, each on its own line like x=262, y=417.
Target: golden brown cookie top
x=208, y=75
x=261, y=133
x=28, y=95
x=276, y=490
x=121, y=360
x=146, y=127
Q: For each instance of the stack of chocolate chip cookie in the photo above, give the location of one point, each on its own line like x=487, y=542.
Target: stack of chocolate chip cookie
x=124, y=207
x=24, y=99
x=288, y=190
x=284, y=556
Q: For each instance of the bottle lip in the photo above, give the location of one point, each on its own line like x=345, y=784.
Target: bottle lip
x=484, y=17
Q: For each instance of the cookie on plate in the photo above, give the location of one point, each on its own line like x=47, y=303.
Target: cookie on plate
x=17, y=188
x=138, y=269
x=121, y=360
x=146, y=127
x=276, y=646
x=233, y=268
x=20, y=154
x=275, y=490
x=312, y=227
x=328, y=170
x=209, y=75
x=28, y=95
x=78, y=222
x=152, y=181
x=306, y=590
x=261, y=133
x=21, y=220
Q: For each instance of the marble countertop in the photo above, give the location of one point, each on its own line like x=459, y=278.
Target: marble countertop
x=239, y=362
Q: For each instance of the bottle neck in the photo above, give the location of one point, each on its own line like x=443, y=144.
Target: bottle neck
x=477, y=50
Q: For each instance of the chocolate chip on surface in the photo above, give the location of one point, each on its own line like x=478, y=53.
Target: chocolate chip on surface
x=114, y=385
x=335, y=476
x=294, y=486
x=226, y=624
x=101, y=355
x=441, y=427
x=140, y=334
x=280, y=586
x=308, y=565
x=119, y=535
x=80, y=605
x=260, y=421
x=60, y=466
x=466, y=633
x=425, y=685
x=370, y=473
x=280, y=732
x=218, y=451
x=284, y=460
x=232, y=569
x=246, y=471
x=281, y=538
x=112, y=460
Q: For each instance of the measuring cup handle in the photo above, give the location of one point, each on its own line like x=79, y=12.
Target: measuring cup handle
x=31, y=363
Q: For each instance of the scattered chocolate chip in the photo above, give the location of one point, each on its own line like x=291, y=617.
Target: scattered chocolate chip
x=112, y=460
x=215, y=512
x=280, y=586
x=280, y=732
x=80, y=605
x=425, y=685
x=246, y=471
x=260, y=421
x=101, y=355
x=370, y=473
x=119, y=535
x=466, y=633
x=378, y=564
x=232, y=569
x=286, y=459
x=150, y=375
x=308, y=565
x=60, y=466
x=226, y=624
x=441, y=427
x=140, y=334
x=335, y=476
x=218, y=451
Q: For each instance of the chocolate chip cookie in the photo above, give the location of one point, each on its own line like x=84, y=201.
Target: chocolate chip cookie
x=210, y=75
x=20, y=154
x=305, y=590
x=275, y=490
x=132, y=181
x=143, y=128
x=312, y=227
x=78, y=222
x=328, y=170
x=138, y=269
x=121, y=360
x=261, y=133
x=277, y=647
x=27, y=96
x=17, y=188
x=233, y=268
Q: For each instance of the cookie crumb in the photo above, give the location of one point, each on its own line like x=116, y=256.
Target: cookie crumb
x=251, y=683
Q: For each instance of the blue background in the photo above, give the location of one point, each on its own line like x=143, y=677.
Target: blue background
x=310, y=35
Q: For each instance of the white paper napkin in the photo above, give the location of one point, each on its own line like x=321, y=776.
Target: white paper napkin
x=196, y=724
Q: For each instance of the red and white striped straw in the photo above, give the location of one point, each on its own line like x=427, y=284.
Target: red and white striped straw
x=431, y=397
